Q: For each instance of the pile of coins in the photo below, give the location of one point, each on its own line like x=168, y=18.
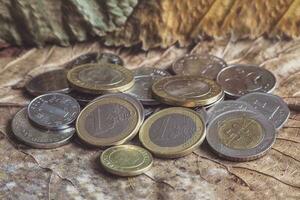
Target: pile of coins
x=172, y=112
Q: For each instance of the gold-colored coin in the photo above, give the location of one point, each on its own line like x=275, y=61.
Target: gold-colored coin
x=187, y=91
x=108, y=121
x=172, y=132
x=126, y=160
x=100, y=78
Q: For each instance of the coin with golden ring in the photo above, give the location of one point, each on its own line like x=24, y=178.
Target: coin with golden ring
x=241, y=135
x=187, y=91
x=126, y=160
x=108, y=121
x=173, y=132
x=100, y=78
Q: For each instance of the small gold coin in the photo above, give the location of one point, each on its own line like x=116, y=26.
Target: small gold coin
x=172, y=132
x=108, y=121
x=126, y=160
x=100, y=78
x=187, y=91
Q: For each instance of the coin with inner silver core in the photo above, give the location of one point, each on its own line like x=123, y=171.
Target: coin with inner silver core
x=144, y=78
x=172, y=132
x=126, y=160
x=130, y=98
x=240, y=135
x=38, y=138
x=53, y=111
x=199, y=64
x=51, y=81
x=238, y=80
x=108, y=121
x=100, y=78
x=228, y=105
x=271, y=106
x=187, y=91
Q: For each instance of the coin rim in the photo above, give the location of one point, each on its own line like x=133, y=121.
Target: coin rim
x=84, y=87
x=171, y=152
x=235, y=96
x=125, y=172
x=98, y=142
x=240, y=155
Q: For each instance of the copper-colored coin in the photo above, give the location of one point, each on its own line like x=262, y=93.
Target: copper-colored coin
x=199, y=64
x=187, y=91
x=100, y=78
x=172, y=132
x=51, y=81
x=108, y=121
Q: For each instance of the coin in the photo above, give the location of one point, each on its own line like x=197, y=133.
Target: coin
x=126, y=160
x=53, y=111
x=130, y=98
x=241, y=135
x=100, y=78
x=51, y=81
x=144, y=78
x=111, y=58
x=215, y=103
x=83, y=98
x=38, y=138
x=108, y=121
x=199, y=64
x=271, y=106
x=187, y=91
x=225, y=106
x=172, y=132
x=238, y=80
x=203, y=113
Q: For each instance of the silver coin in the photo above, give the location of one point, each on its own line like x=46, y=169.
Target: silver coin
x=202, y=111
x=225, y=106
x=149, y=110
x=82, y=98
x=241, y=135
x=53, y=111
x=215, y=103
x=144, y=78
x=199, y=64
x=238, y=80
x=38, y=138
x=51, y=81
x=130, y=98
x=271, y=106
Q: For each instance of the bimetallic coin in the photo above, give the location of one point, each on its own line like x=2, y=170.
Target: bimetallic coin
x=241, y=135
x=38, y=138
x=130, y=98
x=144, y=78
x=187, y=91
x=199, y=64
x=238, y=80
x=126, y=160
x=271, y=106
x=53, y=111
x=172, y=132
x=225, y=106
x=108, y=121
x=51, y=81
x=100, y=78
x=83, y=98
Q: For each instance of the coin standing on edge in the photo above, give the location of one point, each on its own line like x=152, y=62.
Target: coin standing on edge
x=238, y=80
x=144, y=79
x=100, y=78
x=172, y=132
x=51, y=81
x=199, y=65
x=108, y=121
x=126, y=160
x=187, y=91
x=53, y=111
x=271, y=106
x=241, y=135
x=38, y=138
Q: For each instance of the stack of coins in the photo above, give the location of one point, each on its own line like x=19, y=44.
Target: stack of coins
x=229, y=106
